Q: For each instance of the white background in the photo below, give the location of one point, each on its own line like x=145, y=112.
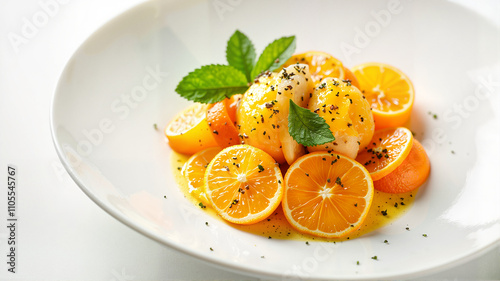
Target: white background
x=62, y=234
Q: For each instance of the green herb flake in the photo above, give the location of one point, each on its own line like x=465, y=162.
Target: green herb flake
x=261, y=169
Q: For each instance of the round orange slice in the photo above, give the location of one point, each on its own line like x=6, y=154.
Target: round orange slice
x=327, y=194
x=243, y=184
x=321, y=65
x=388, y=90
x=194, y=171
x=388, y=149
x=189, y=132
x=411, y=174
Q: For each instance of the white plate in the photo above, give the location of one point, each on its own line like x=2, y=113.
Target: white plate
x=121, y=81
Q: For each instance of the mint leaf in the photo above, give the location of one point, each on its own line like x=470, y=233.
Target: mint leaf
x=275, y=55
x=212, y=83
x=240, y=53
x=308, y=128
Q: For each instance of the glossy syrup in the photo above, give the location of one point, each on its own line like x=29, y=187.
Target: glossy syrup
x=385, y=208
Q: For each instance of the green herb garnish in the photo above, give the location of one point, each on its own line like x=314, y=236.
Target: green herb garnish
x=212, y=83
x=275, y=55
x=307, y=127
x=240, y=54
x=215, y=82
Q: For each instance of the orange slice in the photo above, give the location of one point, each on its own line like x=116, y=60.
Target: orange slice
x=194, y=171
x=327, y=194
x=388, y=149
x=388, y=90
x=188, y=132
x=223, y=128
x=321, y=65
x=243, y=184
x=411, y=174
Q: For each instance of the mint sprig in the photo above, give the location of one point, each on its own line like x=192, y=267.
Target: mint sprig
x=240, y=54
x=307, y=127
x=213, y=83
x=275, y=55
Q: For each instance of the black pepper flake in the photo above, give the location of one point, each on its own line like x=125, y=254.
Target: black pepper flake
x=211, y=249
x=384, y=213
x=215, y=132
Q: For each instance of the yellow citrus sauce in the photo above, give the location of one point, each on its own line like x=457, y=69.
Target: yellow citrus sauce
x=385, y=208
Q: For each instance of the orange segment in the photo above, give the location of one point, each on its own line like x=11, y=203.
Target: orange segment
x=243, y=184
x=188, y=132
x=387, y=150
x=194, y=171
x=223, y=128
x=327, y=194
x=411, y=174
x=321, y=65
x=389, y=91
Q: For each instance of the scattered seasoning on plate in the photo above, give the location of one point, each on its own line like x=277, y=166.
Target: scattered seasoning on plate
x=155, y=126
x=374, y=258
x=307, y=242
x=357, y=262
x=206, y=223
x=262, y=257
x=386, y=242
x=201, y=205
x=211, y=249
x=425, y=235
x=407, y=228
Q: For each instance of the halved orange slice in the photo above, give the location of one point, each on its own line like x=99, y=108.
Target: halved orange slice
x=194, y=171
x=411, y=174
x=243, y=184
x=388, y=149
x=222, y=126
x=388, y=90
x=327, y=194
x=189, y=132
